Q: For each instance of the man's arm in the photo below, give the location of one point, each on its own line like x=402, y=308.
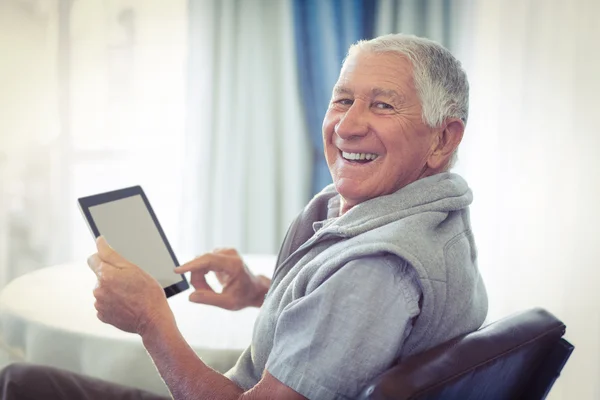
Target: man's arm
x=130, y=299
x=189, y=378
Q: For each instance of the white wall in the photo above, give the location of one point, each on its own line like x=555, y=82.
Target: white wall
x=531, y=156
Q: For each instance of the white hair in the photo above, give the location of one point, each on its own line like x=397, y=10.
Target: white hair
x=439, y=78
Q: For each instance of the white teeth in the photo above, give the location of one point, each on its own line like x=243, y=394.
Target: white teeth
x=359, y=156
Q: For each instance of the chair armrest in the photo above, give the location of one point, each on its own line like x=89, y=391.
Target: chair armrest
x=507, y=350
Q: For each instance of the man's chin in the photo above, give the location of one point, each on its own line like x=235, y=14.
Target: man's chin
x=351, y=192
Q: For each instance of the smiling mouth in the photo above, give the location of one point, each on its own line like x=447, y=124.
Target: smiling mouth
x=361, y=158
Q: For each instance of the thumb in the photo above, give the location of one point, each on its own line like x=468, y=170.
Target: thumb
x=213, y=299
x=108, y=254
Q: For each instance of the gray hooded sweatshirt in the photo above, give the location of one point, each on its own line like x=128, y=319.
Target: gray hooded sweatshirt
x=426, y=224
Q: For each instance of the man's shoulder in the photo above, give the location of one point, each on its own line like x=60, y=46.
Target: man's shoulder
x=381, y=276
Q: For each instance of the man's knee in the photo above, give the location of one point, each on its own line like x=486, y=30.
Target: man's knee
x=17, y=380
x=17, y=373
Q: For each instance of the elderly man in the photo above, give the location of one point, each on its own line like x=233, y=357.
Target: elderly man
x=378, y=266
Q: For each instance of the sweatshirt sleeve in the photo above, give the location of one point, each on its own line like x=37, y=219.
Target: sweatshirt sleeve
x=334, y=341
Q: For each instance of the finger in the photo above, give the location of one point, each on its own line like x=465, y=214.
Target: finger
x=205, y=263
x=213, y=299
x=225, y=250
x=94, y=263
x=200, y=263
x=101, y=317
x=198, y=281
x=108, y=254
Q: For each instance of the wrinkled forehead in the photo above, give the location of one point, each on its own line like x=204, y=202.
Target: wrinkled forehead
x=376, y=69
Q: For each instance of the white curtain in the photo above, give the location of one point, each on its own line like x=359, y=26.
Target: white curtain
x=438, y=20
x=247, y=160
x=92, y=99
x=531, y=156
x=127, y=108
x=29, y=127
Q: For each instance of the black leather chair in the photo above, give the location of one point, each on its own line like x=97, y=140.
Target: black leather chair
x=516, y=358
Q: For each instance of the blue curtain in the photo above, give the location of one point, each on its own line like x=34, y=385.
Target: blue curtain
x=324, y=29
x=439, y=20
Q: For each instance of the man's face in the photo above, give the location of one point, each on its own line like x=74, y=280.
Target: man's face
x=375, y=139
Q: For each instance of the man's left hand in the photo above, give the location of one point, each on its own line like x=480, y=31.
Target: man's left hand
x=126, y=296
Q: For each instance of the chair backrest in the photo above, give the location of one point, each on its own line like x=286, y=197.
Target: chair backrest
x=516, y=358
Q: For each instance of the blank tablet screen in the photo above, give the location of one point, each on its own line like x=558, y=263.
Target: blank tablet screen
x=127, y=226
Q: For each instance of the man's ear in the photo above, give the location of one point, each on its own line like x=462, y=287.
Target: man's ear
x=448, y=138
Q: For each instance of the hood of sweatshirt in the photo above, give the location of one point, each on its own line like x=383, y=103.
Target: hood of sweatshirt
x=443, y=193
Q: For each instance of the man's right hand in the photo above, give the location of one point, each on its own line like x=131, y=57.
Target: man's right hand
x=241, y=288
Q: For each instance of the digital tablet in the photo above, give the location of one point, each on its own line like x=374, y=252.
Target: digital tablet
x=126, y=220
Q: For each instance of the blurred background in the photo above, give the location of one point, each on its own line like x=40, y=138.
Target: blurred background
x=215, y=108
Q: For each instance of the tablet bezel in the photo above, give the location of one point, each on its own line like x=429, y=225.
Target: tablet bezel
x=90, y=201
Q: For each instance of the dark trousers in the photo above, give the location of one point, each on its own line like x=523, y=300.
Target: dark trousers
x=33, y=382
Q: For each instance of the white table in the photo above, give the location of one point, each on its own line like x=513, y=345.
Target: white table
x=48, y=317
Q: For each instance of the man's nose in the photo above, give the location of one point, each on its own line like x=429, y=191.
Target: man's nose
x=354, y=123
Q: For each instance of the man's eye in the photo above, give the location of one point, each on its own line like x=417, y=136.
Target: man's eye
x=344, y=102
x=383, y=106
